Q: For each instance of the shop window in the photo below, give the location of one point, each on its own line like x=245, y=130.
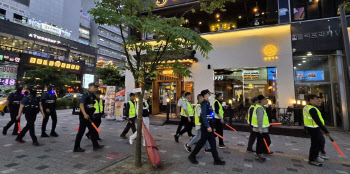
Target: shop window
x=313, y=9
x=239, y=86
x=2, y=13
x=19, y=18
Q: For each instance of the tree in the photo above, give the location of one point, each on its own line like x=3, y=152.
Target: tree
x=142, y=57
x=46, y=76
x=110, y=76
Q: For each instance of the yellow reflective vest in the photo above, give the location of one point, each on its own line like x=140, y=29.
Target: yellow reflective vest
x=189, y=109
x=266, y=122
x=308, y=121
x=221, y=110
x=98, y=106
x=132, y=109
x=252, y=106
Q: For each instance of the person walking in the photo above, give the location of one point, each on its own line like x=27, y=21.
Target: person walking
x=87, y=109
x=178, y=109
x=99, y=111
x=314, y=124
x=48, y=107
x=130, y=115
x=219, y=118
x=13, y=104
x=30, y=107
x=322, y=154
x=145, y=117
x=196, y=138
x=252, y=135
x=207, y=133
x=260, y=123
x=187, y=113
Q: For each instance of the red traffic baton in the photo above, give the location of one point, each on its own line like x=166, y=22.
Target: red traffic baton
x=130, y=122
x=336, y=146
x=268, y=149
x=273, y=124
x=76, y=129
x=230, y=127
x=218, y=135
x=93, y=124
x=19, y=126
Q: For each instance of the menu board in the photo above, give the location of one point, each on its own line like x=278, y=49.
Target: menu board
x=119, y=104
x=109, y=102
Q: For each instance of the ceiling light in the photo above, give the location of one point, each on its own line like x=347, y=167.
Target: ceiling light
x=309, y=54
x=299, y=64
x=304, y=58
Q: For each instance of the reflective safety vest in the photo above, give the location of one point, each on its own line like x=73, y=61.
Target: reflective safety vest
x=132, y=110
x=197, y=115
x=252, y=106
x=98, y=106
x=266, y=122
x=308, y=121
x=189, y=109
x=221, y=110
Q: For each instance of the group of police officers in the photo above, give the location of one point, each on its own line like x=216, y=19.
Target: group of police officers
x=208, y=121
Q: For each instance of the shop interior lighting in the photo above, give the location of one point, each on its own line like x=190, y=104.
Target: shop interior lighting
x=304, y=61
x=309, y=54
x=299, y=64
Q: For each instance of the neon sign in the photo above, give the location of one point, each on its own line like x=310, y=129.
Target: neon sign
x=44, y=39
x=56, y=63
x=10, y=58
x=270, y=52
x=5, y=81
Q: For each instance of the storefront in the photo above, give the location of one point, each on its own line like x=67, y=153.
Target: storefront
x=244, y=64
x=27, y=48
x=318, y=67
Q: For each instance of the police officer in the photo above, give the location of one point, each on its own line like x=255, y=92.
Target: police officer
x=219, y=118
x=130, y=115
x=252, y=135
x=13, y=103
x=30, y=107
x=48, y=106
x=187, y=113
x=87, y=109
x=260, y=123
x=98, y=113
x=314, y=124
x=206, y=132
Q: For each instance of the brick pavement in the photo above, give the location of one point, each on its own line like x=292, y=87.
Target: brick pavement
x=56, y=156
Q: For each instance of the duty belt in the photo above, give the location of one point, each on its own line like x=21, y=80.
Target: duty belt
x=50, y=101
x=16, y=102
x=90, y=105
x=31, y=106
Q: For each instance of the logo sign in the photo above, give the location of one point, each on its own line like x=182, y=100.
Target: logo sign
x=136, y=90
x=161, y=3
x=270, y=52
x=10, y=58
x=56, y=63
x=44, y=39
x=48, y=28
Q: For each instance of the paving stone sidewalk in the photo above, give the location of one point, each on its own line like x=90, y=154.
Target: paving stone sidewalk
x=56, y=156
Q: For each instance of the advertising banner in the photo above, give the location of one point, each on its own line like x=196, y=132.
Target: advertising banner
x=109, y=102
x=119, y=103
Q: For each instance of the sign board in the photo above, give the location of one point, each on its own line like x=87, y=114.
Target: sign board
x=109, y=102
x=136, y=90
x=87, y=78
x=8, y=71
x=48, y=28
x=119, y=104
x=14, y=9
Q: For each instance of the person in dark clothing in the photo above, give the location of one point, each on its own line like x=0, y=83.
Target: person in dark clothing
x=30, y=107
x=252, y=135
x=99, y=111
x=187, y=113
x=207, y=122
x=322, y=154
x=178, y=109
x=48, y=107
x=219, y=118
x=13, y=104
x=314, y=124
x=87, y=109
x=130, y=116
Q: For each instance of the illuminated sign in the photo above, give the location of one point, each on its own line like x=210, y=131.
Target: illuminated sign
x=270, y=52
x=57, y=63
x=88, y=78
x=48, y=28
x=44, y=39
x=161, y=3
x=5, y=81
x=14, y=9
x=10, y=58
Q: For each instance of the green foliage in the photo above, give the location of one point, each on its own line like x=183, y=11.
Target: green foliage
x=45, y=76
x=110, y=76
x=346, y=8
x=210, y=6
x=63, y=103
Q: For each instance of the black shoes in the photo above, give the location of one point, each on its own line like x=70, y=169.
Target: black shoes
x=4, y=131
x=315, y=163
x=44, y=135
x=250, y=150
x=260, y=158
x=222, y=146
x=53, y=134
x=207, y=151
x=123, y=136
x=20, y=140
x=219, y=162
x=36, y=143
x=87, y=136
x=187, y=148
x=79, y=149
x=269, y=153
x=176, y=138
x=192, y=160
x=98, y=147
x=99, y=139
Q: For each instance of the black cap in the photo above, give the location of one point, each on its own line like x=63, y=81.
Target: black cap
x=206, y=91
x=94, y=84
x=254, y=99
x=261, y=97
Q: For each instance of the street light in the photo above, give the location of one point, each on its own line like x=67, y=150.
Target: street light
x=217, y=15
x=255, y=9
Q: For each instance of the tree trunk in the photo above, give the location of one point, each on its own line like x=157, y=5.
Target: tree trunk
x=139, y=127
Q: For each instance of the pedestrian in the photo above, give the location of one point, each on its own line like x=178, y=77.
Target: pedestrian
x=322, y=154
x=219, y=118
x=130, y=115
x=187, y=113
x=260, y=123
x=30, y=107
x=87, y=109
x=314, y=124
x=99, y=111
x=178, y=108
x=196, y=138
x=252, y=135
x=48, y=106
x=13, y=104
x=207, y=133
x=145, y=118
